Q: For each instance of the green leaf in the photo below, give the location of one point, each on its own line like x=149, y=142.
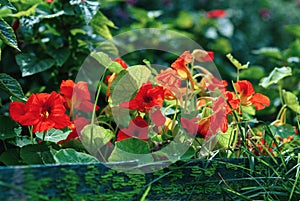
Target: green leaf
x=253, y=72
x=131, y=149
x=115, y=67
x=9, y=128
x=7, y=34
x=60, y=55
x=283, y=131
x=184, y=20
x=275, y=76
x=249, y=110
x=225, y=140
x=293, y=29
x=54, y=135
x=94, y=137
x=29, y=12
x=140, y=73
x=236, y=63
x=269, y=51
x=10, y=157
x=70, y=156
x=102, y=58
x=7, y=4
x=291, y=101
x=294, y=49
x=20, y=141
x=100, y=24
x=30, y=64
x=35, y=153
x=11, y=86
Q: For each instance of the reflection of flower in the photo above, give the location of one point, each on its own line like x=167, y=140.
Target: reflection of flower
x=218, y=13
x=248, y=96
x=147, y=97
x=76, y=126
x=136, y=128
x=77, y=96
x=180, y=65
x=42, y=111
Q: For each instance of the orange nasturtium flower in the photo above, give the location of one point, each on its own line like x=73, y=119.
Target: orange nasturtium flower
x=248, y=96
x=147, y=97
x=77, y=96
x=42, y=111
x=136, y=128
x=181, y=64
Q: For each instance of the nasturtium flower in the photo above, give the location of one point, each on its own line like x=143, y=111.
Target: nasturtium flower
x=218, y=120
x=203, y=56
x=137, y=127
x=147, y=97
x=248, y=96
x=77, y=95
x=181, y=64
x=42, y=111
x=218, y=13
x=190, y=125
x=157, y=117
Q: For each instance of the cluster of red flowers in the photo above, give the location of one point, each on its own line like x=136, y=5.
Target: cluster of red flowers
x=45, y=111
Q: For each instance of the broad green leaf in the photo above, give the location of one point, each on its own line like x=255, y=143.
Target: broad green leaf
x=94, y=137
x=131, y=149
x=109, y=48
x=115, y=67
x=225, y=140
x=236, y=63
x=293, y=29
x=269, y=51
x=20, y=141
x=249, y=110
x=184, y=20
x=140, y=73
x=283, y=131
x=9, y=128
x=175, y=151
x=294, y=49
x=10, y=157
x=253, y=72
x=60, y=55
x=7, y=4
x=275, y=76
x=53, y=135
x=100, y=25
x=291, y=101
x=123, y=88
x=7, y=34
x=102, y=58
x=70, y=156
x=35, y=153
x=30, y=64
x=88, y=9
x=11, y=86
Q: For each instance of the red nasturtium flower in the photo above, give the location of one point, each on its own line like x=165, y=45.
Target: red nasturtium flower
x=203, y=56
x=147, y=97
x=77, y=96
x=248, y=96
x=218, y=13
x=136, y=128
x=42, y=111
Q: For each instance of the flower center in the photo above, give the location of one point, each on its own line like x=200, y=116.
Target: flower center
x=45, y=114
x=147, y=99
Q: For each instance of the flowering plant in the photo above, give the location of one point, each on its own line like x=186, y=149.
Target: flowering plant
x=144, y=114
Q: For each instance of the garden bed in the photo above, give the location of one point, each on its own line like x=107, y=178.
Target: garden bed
x=189, y=180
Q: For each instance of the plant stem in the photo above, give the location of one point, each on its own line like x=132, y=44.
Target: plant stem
x=31, y=134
